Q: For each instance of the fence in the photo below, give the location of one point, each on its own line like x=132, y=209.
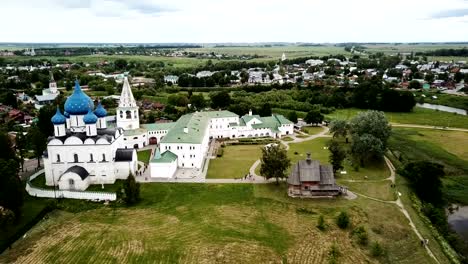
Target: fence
x=84, y=195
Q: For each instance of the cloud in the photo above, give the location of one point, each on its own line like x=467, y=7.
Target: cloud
x=115, y=8
x=451, y=13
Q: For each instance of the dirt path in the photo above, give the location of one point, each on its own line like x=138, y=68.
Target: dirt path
x=400, y=206
x=429, y=127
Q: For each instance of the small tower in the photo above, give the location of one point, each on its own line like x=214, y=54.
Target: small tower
x=90, y=120
x=283, y=57
x=59, y=121
x=101, y=113
x=250, y=112
x=52, y=84
x=127, y=111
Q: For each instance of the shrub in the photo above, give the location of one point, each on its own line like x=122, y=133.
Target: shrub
x=333, y=254
x=361, y=234
x=303, y=210
x=343, y=221
x=220, y=153
x=321, y=225
x=376, y=249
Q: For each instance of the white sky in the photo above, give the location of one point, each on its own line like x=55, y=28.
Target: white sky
x=208, y=21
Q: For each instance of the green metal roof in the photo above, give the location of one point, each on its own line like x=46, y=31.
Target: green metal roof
x=220, y=114
x=166, y=157
x=158, y=126
x=282, y=120
x=247, y=118
x=196, y=124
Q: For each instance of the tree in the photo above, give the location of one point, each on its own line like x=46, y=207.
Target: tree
x=6, y=217
x=274, y=162
x=265, y=110
x=339, y=128
x=373, y=123
x=425, y=179
x=414, y=85
x=11, y=188
x=337, y=155
x=342, y=220
x=292, y=116
x=132, y=190
x=45, y=114
x=365, y=147
x=21, y=143
x=120, y=64
x=458, y=76
x=9, y=98
x=314, y=117
x=38, y=143
x=321, y=225
x=198, y=101
x=6, y=147
x=220, y=99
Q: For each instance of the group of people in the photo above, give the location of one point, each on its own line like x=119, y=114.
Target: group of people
x=248, y=176
x=141, y=171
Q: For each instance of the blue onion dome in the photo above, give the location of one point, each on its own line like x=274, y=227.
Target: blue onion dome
x=78, y=103
x=90, y=118
x=66, y=114
x=58, y=118
x=100, y=111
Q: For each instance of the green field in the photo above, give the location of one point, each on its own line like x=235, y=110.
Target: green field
x=235, y=162
x=445, y=147
x=275, y=52
x=203, y=223
x=312, y=130
x=419, y=116
x=408, y=48
x=373, y=171
x=144, y=155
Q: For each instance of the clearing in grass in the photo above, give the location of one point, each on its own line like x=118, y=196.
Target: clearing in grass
x=235, y=162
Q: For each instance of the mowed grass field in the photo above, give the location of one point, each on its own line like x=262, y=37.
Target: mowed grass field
x=275, y=52
x=235, y=162
x=207, y=223
x=419, y=116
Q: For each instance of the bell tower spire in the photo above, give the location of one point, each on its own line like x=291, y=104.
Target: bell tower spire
x=127, y=111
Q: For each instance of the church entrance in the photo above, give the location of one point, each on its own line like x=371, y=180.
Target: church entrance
x=153, y=140
x=135, y=146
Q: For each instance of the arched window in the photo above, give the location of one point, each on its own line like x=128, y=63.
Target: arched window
x=91, y=157
x=128, y=114
x=75, y=157
x=135, y=114
x=121, y=114
x=103, y=157
x=58, y=158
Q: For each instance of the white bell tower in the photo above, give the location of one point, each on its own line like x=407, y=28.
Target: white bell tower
x=52, y=84
x=127, y=111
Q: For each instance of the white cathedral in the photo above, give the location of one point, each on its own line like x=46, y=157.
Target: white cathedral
x=85, y=150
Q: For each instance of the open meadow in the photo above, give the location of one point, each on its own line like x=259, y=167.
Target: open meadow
x=419, y=116
x=445, y=147
x=207, y=223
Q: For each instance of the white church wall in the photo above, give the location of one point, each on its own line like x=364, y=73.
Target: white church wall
x=72, y=181
x=163, y=170
x=136, y=140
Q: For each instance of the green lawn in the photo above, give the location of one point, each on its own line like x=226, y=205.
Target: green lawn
x=373, y=171
x=413, y=145
x=312, y=130
x=144, y=155
x=235, y=162
x=419, y=116
x=211, y=223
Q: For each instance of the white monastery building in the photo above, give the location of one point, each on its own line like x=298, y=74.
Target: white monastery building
x=85, y=151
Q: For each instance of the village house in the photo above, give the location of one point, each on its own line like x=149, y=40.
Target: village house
x=310, y=179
